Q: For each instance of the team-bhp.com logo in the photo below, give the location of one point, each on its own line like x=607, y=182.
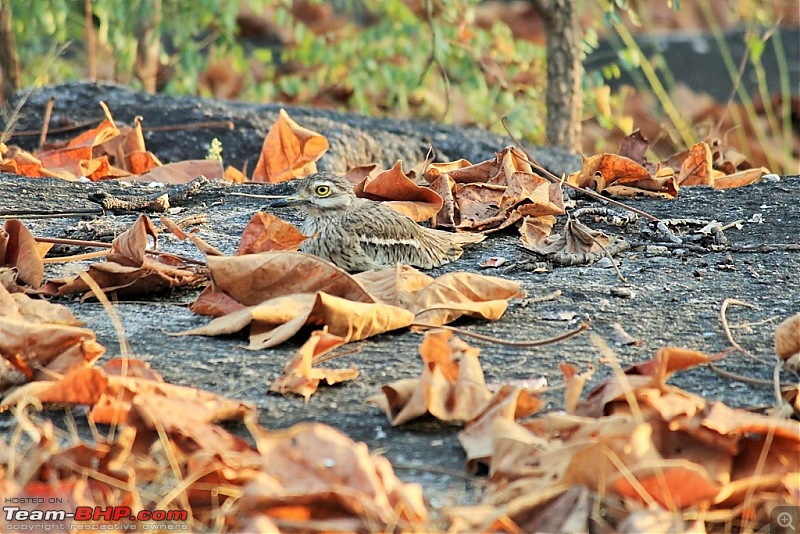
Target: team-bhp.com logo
x=89, y=517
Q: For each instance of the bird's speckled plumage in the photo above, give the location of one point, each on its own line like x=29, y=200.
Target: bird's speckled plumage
x=359, y=235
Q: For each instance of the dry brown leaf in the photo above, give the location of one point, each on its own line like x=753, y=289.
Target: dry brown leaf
x=670, y=483
x=739, y=179
x=577, y=239
x=440, y=300
x=181, y=172
x=266, y=232
x=21, y=306
x=90, y=153
x=493, y=194
x=311, y=291
x=697, y=168
x=451, y=387
x=18, y=161
x=254, y=278
x=300, y=377
x=622, y=176
x=509, y=403
x=129, y=270
x=278, y=319
x=111, y=395
x=314, y=473
x=186, y=415
x=289, y=151
x=19, y=251
x=399, y=192
x=39, y=351
x=787, y=338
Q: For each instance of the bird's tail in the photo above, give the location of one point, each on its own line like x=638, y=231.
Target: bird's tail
x=466, y=238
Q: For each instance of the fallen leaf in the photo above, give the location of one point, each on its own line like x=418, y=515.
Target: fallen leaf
x=619, y=175
x=42, y=350
x=345, y=486
x=451, y=387
x=289, y=151
x=181, y=172
x=266, y=232
x=399, y=192
x=301, y=377
x=697, y=169
x=129, y=270
x=509, y=403
x=18, y=250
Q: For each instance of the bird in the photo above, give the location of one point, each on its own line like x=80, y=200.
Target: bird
x=357, y=234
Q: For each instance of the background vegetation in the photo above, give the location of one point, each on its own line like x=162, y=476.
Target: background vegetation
x=458, y=61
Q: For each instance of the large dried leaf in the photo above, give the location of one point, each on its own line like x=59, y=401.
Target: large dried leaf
x=509, y=403
x=18, y=250
x=280, y=292
x=289, y=151
x=399, y=192
x=451, y=387
x=619, y=175
x=787, y=338
x=21, y=306
x=111, y=395
x=129, y=270
x=441, y=300
x=267, y=233
x=180, y=172
x=494, y=194
x=278, y=319
x=38, y=351
x=345, y=487
x=301, y=377
x=254, y=278
x=577, y=239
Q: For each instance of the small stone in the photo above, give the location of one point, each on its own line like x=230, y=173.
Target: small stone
x=656, y=250
x=622, y=292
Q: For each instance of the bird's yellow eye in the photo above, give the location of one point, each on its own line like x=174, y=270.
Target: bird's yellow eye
x=322, y=190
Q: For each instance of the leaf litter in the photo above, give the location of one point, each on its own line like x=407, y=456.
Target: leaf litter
x=662, y=458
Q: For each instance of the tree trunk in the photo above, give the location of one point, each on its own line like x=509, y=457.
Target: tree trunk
x=148, y=35
x=564, y=97
x=9, y=60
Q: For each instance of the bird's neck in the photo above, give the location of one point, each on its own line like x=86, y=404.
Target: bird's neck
x=318, y=219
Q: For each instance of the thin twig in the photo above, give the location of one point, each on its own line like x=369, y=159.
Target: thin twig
x=544, y=298
x=556, y=180
x=535, y=343
x=191, y=126
x=100, y=244
x=333, y=355
x=76, y=257
x=63, y=129
x=250, y=195
x=738, y=377
x=47, y=214
x=48, y=111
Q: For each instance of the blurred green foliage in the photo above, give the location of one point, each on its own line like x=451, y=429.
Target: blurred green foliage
x=399, y=64
x=437, y=62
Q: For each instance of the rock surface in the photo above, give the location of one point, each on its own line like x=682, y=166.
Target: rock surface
x=673, y=297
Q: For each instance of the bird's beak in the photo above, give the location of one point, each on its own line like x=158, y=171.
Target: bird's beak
x=287, y=201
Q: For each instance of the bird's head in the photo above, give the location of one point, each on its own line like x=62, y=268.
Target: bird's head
x=319, y=193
